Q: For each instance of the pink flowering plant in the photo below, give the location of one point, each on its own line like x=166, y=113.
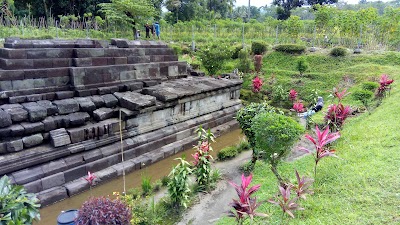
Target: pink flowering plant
x=246, y=205
x=202, y=158
x=321, y=144
x=257, y=84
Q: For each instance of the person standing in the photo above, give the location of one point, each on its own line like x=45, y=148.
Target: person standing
x=157, y=29
x=148, y=29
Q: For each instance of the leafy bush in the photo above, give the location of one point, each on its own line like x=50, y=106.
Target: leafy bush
x=274, y=135
x=370, y=86
x=227, y=153
x=290, y=48
x=213, y=57
x=236, y=50
x=338, y=51
x=244, y=64
x=302, y=65
x=258, y=48
x=103, y=210
x=245, y=117
x=16, y=205
x=364, y=96
x=178, y=187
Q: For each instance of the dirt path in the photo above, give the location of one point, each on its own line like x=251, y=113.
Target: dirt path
x=212, y=206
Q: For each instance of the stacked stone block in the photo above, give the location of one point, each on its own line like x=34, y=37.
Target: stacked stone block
x=60, y=103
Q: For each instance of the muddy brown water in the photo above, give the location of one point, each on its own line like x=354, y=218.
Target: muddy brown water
x=155, y=171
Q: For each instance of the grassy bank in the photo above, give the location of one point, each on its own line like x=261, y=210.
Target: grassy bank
x=362, y=187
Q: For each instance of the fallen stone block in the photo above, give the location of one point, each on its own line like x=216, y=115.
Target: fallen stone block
x=5, y=119
x=15, y=146
x=103, y=114
x=52, y=195
x=32, y=140
x=110, y=100
x=135, y=101
x=59, y=137
x=67, y=106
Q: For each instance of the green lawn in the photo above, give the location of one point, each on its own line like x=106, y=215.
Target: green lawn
x=363, y=186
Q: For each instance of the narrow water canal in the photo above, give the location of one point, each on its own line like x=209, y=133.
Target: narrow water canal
x=155, y=171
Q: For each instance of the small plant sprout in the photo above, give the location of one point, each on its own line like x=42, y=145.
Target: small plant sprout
x=246, y=205
x=321, y=145
x=303, y=186
x=90, y=178
x=257, y=84
x=283, y=200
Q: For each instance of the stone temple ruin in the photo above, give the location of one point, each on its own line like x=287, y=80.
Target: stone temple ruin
x=61, y=100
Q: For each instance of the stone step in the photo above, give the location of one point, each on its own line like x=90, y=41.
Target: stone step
x=71, y=181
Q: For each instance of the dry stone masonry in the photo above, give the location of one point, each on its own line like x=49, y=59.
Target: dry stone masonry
x=60, y=103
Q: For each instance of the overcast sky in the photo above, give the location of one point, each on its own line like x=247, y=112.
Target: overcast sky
x=259, y=3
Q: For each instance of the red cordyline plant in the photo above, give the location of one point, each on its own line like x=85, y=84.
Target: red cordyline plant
x=258, y=63
x=298, y=107
x=339, y=94
x=257, y=84
x=283, y=200
x=246, y=205
x=293, y=95
x=303, y=186
x=321, y=145
x=336, y=115
x=384, y=83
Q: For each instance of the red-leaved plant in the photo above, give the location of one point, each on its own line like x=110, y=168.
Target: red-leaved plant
x=321, y=145
x=90, y=178
x=258, y=63
x=103, y=210
x=384, y=85
x=257, y=84
x=246, y=205
x=298, y=107
x=283, y=200
x=293, y=95
x=303, y=186
x=336, y=115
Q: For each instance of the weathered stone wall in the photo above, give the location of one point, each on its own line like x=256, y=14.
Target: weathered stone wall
x=60, y=103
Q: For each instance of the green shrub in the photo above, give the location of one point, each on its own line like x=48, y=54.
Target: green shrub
x=245, y=117
x=16, y=205
x=213, y=57
x=370, y=86
x=258, y=48
x=236, y=50
x=243, y=146
x=227, y=153
x=302, y=65
x=364, y=96
x=338, y=51
x=290, y=48
x=274, y=135
x=244, y=64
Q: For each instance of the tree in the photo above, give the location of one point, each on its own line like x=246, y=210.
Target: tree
x=128, y=13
